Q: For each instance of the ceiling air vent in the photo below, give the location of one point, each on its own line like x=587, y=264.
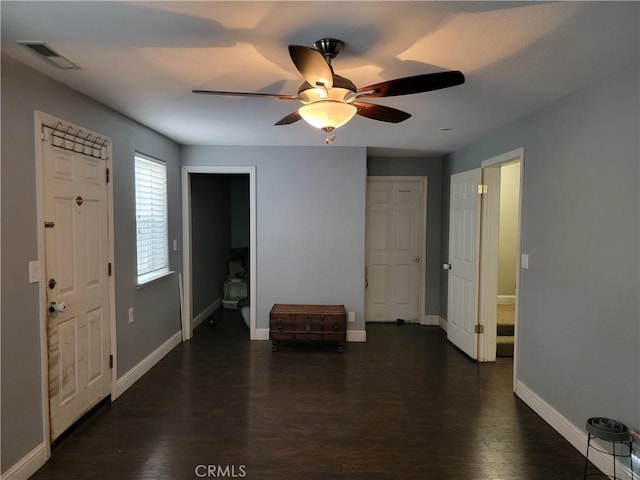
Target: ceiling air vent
x=48, y=54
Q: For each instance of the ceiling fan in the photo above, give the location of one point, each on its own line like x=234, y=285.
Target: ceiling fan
x=329, y=100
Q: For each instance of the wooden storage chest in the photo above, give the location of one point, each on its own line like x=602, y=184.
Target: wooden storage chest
x=326, y=323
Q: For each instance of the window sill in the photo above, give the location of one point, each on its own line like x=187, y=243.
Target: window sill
x=154, y=279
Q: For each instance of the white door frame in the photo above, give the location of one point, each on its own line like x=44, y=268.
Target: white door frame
x=489, y=255
x=187, y=294
x=423, y=319
x=42, y=119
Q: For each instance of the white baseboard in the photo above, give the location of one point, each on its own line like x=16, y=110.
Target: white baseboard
x=443, y=323
x=261, y=334
x=574, y=435
x=136, y=373
x=206, y=313
x=506, y=299
x=356, y=335
x=29, y=465
x=430, y=320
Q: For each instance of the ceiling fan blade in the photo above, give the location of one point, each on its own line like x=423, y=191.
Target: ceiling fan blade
x=415, y=84
x=312, y=65
x=289, y=119
x=381, y=112
x=246, y=94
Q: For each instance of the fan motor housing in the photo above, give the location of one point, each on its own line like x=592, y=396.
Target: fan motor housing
x=329, y=47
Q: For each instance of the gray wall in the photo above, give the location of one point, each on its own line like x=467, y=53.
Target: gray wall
x=578, y=332
x=156, y=306
x=210, y=237
x=310, y=222
x=430, y=167
x=240, y=211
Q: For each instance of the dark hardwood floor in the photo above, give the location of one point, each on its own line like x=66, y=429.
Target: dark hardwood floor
x=404, y=405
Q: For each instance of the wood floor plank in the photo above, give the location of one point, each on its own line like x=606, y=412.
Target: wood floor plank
x=403, y=405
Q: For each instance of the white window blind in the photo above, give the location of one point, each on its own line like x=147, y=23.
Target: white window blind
x=151, y=219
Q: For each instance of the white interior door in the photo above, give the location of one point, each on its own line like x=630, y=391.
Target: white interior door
x=76, y=258
x=394, y=249
x=464, y=243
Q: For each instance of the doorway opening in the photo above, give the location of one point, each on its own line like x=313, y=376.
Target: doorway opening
x=483, y=218
x=500, y=255
x=219, y=244
x=507, y=263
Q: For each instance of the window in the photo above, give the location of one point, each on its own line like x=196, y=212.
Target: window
x=152, y=238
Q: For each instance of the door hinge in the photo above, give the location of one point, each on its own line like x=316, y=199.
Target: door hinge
x=109, y=269
x=107, y=170
x=482, y=189
x=110, y=361
x=479, y=329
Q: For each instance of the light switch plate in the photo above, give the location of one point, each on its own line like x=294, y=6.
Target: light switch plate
x=131, y=315
x=524, y=260
x=34, y=272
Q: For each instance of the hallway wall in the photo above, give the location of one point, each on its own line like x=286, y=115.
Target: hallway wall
x=210, y=237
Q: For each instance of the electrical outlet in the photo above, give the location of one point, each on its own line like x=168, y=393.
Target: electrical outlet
x=351, y=317
x=131, y=315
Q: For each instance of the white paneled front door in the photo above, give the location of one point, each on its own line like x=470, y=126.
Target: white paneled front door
x=464, y=245
x=76, y=282
x=394, y=248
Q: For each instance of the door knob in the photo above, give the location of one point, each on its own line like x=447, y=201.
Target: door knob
x=57, y=307
x=415, y=259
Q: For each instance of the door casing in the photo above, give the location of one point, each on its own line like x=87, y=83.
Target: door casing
x=186, y=290
x=489, y=254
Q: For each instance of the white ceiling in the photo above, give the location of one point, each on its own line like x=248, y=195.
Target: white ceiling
x=144, y=58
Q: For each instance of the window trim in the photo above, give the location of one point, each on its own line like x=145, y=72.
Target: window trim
x=155, y=275
x=153, y=279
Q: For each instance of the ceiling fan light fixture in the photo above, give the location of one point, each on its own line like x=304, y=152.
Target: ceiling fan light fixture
x=330, y=101
x=327, y=115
